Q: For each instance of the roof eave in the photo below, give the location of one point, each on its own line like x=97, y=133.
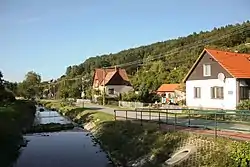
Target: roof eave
x=194, y=65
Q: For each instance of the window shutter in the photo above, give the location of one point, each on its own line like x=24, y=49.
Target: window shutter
x=199, y=92
x=212, y=92
x=209, y=70
x=194, y=92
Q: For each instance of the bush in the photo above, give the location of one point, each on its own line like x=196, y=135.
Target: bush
x=7, y=96
x=108, y=100
x=244, y=105
x=130, y=96
x=182, y=102
x=240, y=154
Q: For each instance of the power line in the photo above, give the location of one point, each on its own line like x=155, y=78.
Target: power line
x=177, y=50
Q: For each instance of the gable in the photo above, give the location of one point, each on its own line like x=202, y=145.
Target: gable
x=96, y=80
x=216, y=68
x=117, y=79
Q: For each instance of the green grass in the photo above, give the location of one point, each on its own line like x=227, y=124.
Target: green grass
x=128, y=141
x=15, y=118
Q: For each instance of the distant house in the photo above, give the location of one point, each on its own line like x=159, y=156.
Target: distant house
x=218, y=79
x=170, y=93
x=113, y=80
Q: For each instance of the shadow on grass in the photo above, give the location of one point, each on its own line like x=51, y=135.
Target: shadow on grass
x=86, y=118
x=14, y=119
x=10, y=149
x=128, y=141
x=72, y=114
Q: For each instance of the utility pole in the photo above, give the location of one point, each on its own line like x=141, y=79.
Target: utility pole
x=103, y=94
x=82, y=88
x=83, y=91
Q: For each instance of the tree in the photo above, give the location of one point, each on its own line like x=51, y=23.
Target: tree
x=6, y=95
x=172, y=68
x=32, y=78
x=30, y=87
x=11, y=86
x=1, y=81
x=248, y=40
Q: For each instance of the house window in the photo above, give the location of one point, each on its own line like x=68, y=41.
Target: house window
x=197, y=92
x=206, y=70
x=163, y=95
x=111, y=91
x=244, y=92
x=217, y=92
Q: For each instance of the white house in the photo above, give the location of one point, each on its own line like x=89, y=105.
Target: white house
x=114, y=81
x=170, y=93
x=218, y=80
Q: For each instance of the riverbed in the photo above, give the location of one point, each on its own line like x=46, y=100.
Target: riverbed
x=73, y=148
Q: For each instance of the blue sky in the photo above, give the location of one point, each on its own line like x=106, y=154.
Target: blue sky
x=48, y=35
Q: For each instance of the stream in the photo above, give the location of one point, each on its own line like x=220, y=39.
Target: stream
x=71, y=148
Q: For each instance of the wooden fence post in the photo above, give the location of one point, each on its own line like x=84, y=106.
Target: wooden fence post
x=141, y=117
x=159, y=119
x=135, y=114
x=175, y=121
x=150, y=115
x=126, y=115
x=166, y=116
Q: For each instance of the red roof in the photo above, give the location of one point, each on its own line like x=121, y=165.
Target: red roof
x=237, y=64
x=168, y=87
x=109, y=73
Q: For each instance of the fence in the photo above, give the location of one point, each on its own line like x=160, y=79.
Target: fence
x=129, y=104
x=215, y=120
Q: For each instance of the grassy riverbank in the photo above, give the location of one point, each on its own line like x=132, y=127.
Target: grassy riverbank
x=15, y=118
x=128, y=142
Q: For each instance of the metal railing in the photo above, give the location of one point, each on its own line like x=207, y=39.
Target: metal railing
x=216, y=120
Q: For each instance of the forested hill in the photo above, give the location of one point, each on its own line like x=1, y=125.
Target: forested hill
x=166, y=67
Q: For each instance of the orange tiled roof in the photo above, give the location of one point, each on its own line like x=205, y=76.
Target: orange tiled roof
x=168, y=87
x=237, y=64
x=109, y=73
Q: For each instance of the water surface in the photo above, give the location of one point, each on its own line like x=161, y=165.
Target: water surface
x=73, y=148
x=48, y=116
x=61, y=149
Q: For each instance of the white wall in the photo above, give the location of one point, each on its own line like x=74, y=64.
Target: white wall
x=229, y=101
x=118, y=89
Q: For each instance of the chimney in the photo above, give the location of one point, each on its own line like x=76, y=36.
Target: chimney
x=115, y=68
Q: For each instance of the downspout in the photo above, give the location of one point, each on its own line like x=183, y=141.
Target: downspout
x=237, y=92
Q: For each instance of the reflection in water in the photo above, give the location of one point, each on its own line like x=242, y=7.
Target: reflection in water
x=48, y=116
x=63, y=149
x=60, y=149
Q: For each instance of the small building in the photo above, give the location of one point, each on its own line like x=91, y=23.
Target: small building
x=218, y=80
x=113, y=80
x=169, y=93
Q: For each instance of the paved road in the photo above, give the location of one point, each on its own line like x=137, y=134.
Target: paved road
x=170, y=119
